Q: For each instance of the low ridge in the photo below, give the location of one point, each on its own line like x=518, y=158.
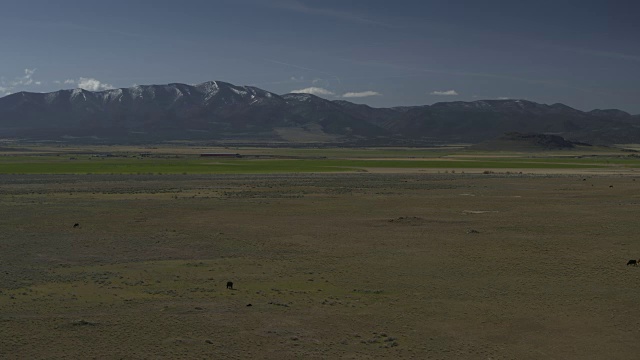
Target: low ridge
x=515, y=141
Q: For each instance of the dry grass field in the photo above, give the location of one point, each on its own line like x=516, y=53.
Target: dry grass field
x=325, y=266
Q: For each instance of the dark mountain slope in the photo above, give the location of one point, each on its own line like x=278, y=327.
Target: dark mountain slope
x=487, y=119
x=219, y=110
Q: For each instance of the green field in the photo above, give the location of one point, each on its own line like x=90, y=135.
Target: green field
x=263, y=161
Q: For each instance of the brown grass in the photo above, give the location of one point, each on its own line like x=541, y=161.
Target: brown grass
x=362, y=266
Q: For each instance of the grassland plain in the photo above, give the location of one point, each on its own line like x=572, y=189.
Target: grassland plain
x=256, y=162
x=341, y=265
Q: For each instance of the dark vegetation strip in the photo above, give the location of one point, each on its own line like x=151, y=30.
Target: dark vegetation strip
x=58, y=165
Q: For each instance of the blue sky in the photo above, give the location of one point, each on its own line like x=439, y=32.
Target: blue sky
x=585, y=54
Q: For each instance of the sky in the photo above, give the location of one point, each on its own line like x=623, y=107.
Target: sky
x=585, y=54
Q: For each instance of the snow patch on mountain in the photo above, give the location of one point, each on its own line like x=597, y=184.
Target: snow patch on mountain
x=210, y=89
x=76, y=93
x=51, y=97
x=111, y=95
x=136, y=92
x=239, y=91
x=299, y=97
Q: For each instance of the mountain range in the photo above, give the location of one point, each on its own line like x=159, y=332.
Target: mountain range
x=219, y=111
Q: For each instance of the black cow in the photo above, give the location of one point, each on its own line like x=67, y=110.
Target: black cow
x=229, y=285
x=632, y=262
x=76, y=225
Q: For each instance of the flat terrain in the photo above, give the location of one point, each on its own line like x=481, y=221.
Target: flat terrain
x=486, y=264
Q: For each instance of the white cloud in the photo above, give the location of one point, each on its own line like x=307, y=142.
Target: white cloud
x=92, y=84
x=504, y=98
x=445, y=93
x=8, y=87
x=25, y=80
x=69, y=81
x=313, y=90
x=361, y=94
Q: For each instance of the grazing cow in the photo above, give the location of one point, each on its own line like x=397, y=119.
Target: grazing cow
x=229, y=285
x=632, y=262
x=76, y=225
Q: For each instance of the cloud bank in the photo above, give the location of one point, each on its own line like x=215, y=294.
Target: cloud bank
x=8, y=87
x=26, y=80
x=445, y=93
x=313, y=91
x=92, y=84
x=361, y=94
x=318, y=91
